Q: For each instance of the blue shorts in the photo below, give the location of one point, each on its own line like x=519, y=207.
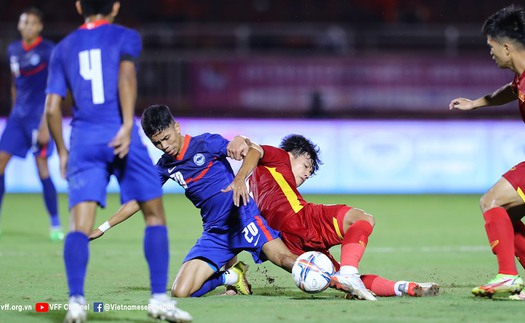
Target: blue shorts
x=90, y=167
x=20, y=135
x=218, y=247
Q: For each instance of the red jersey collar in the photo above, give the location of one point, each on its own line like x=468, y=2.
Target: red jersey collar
x=94, y=24
x=182, y=151
x=28, y=47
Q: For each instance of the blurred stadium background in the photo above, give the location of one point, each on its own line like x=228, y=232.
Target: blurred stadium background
x=368, y=80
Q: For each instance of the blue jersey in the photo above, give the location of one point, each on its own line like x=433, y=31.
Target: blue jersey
x=202, y=169
x=87, y=62
x=29, y=65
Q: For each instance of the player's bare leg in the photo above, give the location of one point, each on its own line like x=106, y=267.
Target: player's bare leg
x=191, y=276
x=277, y=252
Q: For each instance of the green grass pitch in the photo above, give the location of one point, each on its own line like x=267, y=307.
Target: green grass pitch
x=417, y=237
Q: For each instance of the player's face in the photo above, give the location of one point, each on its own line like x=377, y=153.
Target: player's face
x=301, y=168
x=169, y=140
x=499, y=52
x=29, y=27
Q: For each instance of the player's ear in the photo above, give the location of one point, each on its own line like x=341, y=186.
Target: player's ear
x=79, y=7
x=507, y=48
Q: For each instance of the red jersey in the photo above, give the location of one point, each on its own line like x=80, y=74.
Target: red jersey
x=273, y=186
x=518, y=86
x=304, y=226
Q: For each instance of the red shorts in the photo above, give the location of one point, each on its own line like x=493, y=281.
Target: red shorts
x=516, y=177
x=315, y=227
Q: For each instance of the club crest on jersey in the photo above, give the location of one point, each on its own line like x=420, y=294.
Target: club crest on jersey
x=34, y=59
x=199, y=159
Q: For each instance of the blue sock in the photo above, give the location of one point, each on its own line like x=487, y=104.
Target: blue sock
x=156, y=250
x=51, y=201
x=215, y=280
x=2, y=190
x=76, y=256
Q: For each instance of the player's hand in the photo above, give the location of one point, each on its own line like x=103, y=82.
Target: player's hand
x=237, y=148
x=95, y=234
x=461, y=104
x=240, y=191
x=121, y=142
x=63, y=157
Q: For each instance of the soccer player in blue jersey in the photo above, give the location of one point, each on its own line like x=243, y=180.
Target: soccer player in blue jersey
x=24, y=130
x=199, y=165
x=96, y=63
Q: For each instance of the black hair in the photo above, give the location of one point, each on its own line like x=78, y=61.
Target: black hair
x=156, y=118
x=508, y=22
x=95, y=7
x=298, y=145
x=35, y=12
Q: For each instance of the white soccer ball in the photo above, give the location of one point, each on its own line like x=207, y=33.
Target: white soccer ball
x=312, y=272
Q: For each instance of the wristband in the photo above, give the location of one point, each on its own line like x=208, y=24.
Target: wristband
x=104, y=226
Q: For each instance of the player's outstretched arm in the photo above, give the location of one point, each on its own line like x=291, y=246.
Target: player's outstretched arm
x=501, y=96
x=124, y=213
x=250, y=161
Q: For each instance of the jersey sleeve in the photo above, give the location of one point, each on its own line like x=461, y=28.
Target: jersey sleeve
x=217, y=144
x=50, y=47
x=10, y=50
x=273, y=155
x=161, y=171
x=131, y=47
x=56, y=80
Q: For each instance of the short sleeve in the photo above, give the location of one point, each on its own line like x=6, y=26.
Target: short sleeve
x=273, y=155
x=131, y=46
x=161, y=171
x=217, y=144
x=56, y=80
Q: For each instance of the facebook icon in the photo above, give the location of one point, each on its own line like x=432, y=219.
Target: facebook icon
x=98, y=307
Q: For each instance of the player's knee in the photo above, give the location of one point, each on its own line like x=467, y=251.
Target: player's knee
x=370, y=219
x=178, y=291
x=355, y=215
x=487, y=202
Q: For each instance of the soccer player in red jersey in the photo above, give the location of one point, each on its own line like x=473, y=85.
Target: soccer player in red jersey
x=505, y=32
x=304, y=226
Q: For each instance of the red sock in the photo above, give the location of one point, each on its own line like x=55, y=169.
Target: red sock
x=354, y=243
x=519, y=241
x=501, y=238
x=379, y=285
